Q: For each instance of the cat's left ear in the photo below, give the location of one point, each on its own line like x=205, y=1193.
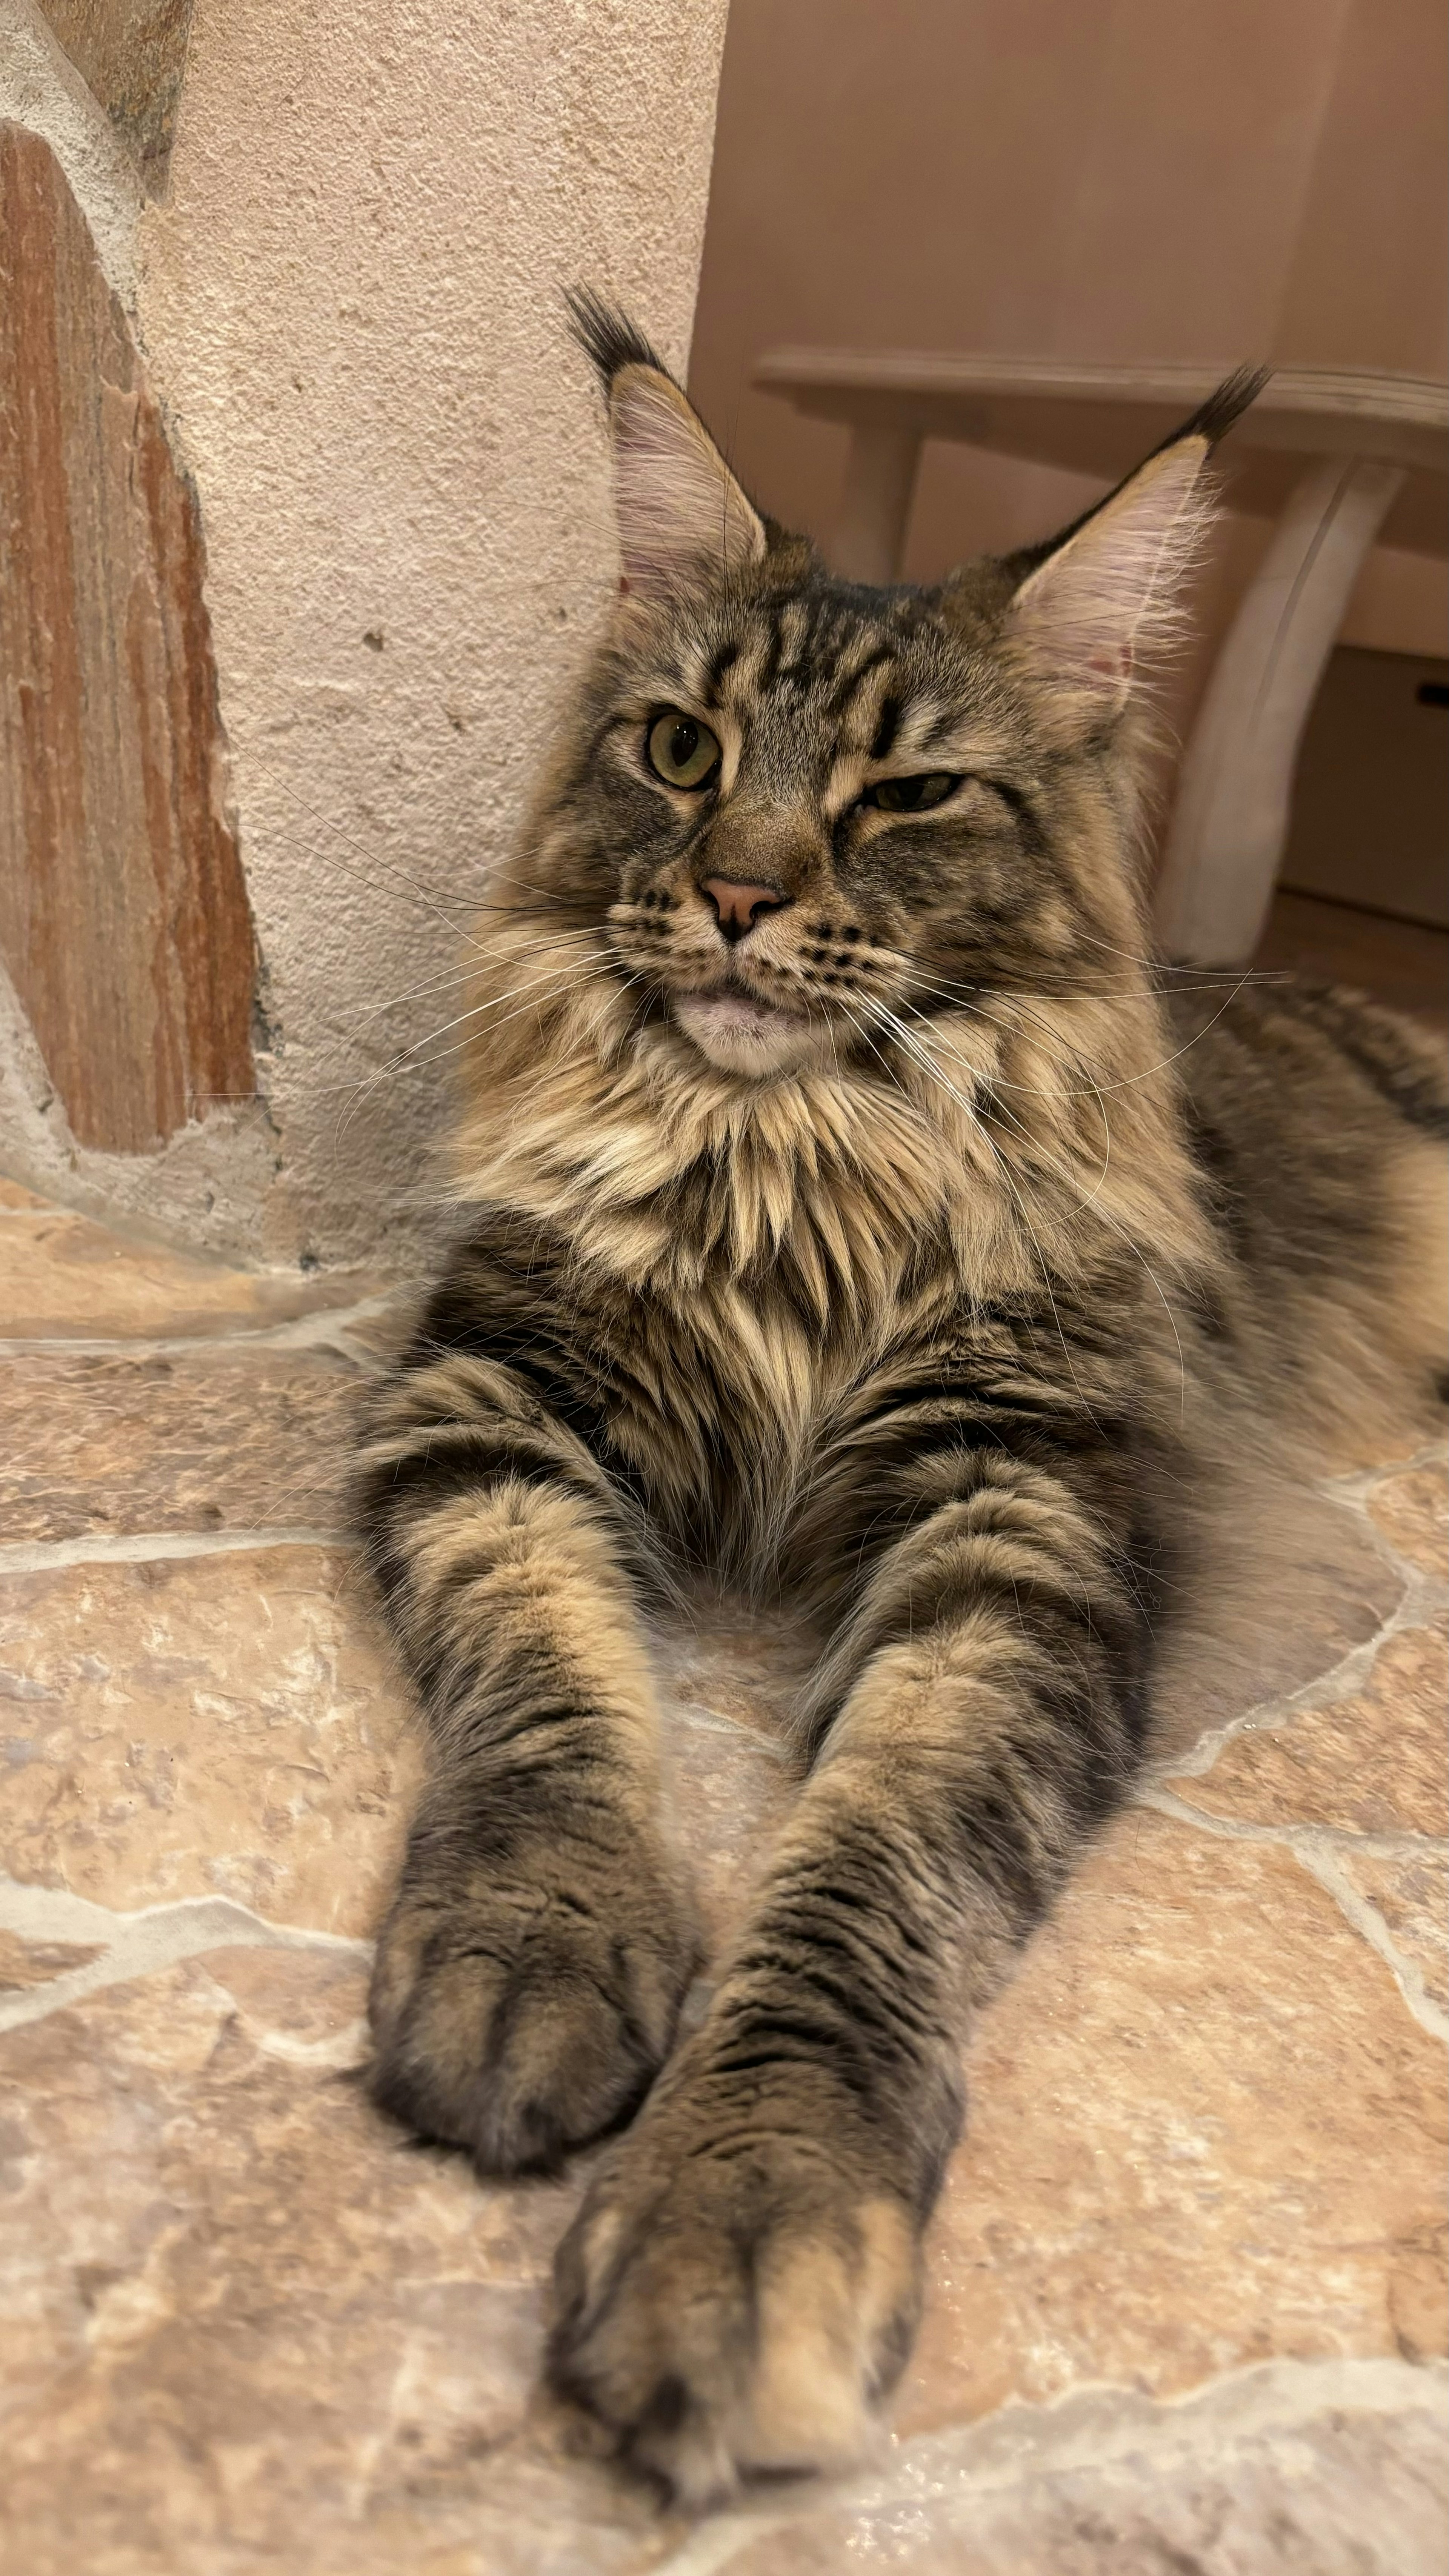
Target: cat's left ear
x=1102, y=604
x=682, y=516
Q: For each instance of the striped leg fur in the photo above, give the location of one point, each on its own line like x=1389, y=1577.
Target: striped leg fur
x=530, y=1972
x=742, y=2282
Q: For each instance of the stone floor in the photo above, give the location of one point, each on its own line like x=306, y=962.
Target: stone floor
x=1187, y=2284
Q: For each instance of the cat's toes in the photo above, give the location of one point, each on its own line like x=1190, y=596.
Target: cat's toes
x=733, y=2306
x=519, y=2024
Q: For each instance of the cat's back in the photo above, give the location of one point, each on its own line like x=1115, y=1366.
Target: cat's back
x=1318, y=1120
x=1277, y=1054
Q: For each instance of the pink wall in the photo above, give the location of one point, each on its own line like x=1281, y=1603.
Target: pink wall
x=1108, y=179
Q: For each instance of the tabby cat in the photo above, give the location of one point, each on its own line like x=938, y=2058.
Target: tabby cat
x=850, y=1210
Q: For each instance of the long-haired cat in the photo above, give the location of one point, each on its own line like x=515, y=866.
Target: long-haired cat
x=848, y=1214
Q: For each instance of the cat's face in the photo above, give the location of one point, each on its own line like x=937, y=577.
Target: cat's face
x=827, y=806
x=809, y=815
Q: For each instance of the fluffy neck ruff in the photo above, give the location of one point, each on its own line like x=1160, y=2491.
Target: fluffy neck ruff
x=997, y=1150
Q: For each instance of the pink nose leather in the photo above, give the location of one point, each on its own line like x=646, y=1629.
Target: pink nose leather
x=737, y=906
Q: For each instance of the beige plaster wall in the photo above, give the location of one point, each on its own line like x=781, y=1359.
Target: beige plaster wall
x=1097, y=179
x=349, y=303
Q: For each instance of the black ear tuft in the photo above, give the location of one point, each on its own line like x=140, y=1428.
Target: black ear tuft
x=1214, y=418
x=683, y=519
x=1211, y=421
x=607, y=337
x=1096, y=605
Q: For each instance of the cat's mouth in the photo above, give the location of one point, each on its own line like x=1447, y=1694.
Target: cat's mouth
x=742, y=1035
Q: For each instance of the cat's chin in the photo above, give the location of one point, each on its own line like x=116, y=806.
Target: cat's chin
x=740, y=1035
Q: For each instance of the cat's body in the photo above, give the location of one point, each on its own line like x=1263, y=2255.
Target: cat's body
x=848, y=1216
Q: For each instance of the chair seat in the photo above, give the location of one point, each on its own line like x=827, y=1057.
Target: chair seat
x=1099, y=420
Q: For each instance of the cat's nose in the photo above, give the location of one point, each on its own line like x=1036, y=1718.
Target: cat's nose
x=737, y=908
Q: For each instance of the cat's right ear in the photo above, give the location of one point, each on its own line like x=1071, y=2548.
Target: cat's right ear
x=682, y=517
x=681, y=514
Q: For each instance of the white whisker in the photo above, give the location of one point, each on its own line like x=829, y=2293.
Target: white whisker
x=461, y=974
x=411, y=1059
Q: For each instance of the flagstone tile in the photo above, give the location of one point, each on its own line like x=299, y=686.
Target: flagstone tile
x=1413, y=1513
x=1341, y=2492
x=247, y=2324
x=1206, y=2132
x=1409, y=1890
x=232, y=1438
x=221, y=1725
x=1305, y=1586
x=1373, y=1763
x=27, y=1964
x=65, y=1276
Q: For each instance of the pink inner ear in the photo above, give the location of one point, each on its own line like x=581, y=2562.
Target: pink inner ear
x=1107, y=599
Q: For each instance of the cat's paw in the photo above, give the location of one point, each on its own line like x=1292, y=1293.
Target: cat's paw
x=733, y=2303
x=521, y=2020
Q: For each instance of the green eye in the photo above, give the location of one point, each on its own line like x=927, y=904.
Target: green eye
x=911, y=795
x=680, y=750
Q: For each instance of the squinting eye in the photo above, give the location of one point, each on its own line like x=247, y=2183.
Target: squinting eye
x=911, y=795
x=681, y=751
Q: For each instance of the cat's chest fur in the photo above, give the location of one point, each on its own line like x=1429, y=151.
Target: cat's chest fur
x=721, y=1273
x=716, y=1311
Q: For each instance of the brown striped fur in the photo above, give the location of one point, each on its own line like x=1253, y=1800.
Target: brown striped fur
x=926, y=1254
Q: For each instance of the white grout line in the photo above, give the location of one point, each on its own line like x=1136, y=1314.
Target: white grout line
x=1092, y=2429
x=1361, y=1912
x=1400, y=1845
x=713, y=1721
x=136, y=1945
x=341, y=2050
x=326, y=1326
x=143, y=1547
x=1364, y=1481
x=1420, y=1605
x=1319, y=1849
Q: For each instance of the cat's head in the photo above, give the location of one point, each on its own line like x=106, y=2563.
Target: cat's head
x=808, y=813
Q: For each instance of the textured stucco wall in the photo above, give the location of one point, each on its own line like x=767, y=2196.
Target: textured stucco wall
x=349, y=304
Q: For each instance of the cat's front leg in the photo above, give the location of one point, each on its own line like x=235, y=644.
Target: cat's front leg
x=530, y=1972
x=741, y=2285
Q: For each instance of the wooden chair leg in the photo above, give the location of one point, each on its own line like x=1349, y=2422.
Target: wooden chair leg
x=879, y=480
x=1231, y=816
